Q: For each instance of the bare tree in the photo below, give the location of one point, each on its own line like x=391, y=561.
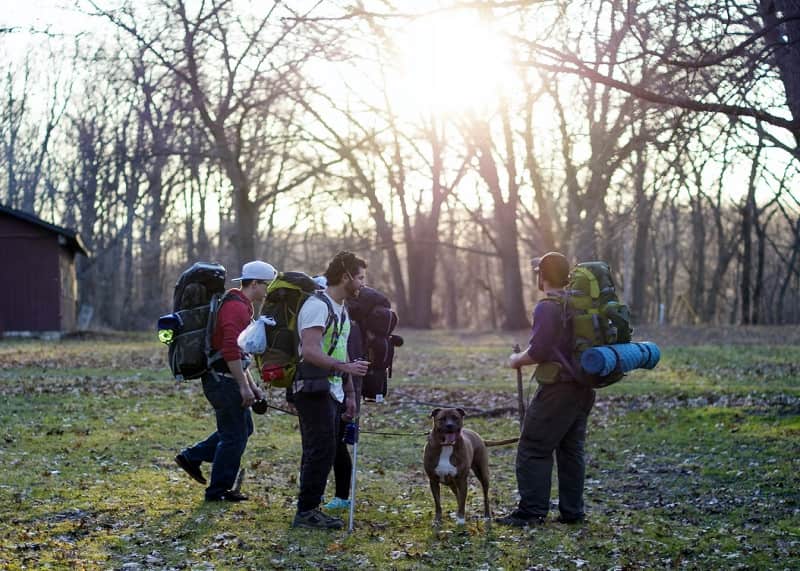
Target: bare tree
x=235, y=69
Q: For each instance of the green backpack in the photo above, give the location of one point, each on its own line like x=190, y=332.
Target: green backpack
x=286, y=295
x=599, y=318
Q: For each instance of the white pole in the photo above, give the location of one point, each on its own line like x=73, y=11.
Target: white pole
x=353, y=482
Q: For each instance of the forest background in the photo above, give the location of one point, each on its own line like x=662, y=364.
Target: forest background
x=446, y=142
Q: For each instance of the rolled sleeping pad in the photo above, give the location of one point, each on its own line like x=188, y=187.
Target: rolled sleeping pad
x=603, y=360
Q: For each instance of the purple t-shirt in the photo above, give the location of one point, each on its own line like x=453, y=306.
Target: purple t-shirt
x=552, y=338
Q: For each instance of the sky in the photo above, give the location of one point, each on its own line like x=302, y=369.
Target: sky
x=448, y=63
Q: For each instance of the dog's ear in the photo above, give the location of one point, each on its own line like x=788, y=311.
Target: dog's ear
x=434, y=412
x=461, y=412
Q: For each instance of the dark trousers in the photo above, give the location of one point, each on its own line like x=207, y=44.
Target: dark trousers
x=319, y=420
x=225, y=446
x=343, y=464
x=555, y=421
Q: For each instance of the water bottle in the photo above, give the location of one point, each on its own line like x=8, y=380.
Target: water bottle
x=350, y=433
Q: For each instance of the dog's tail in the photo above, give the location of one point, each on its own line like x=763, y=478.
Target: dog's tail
x=501, y=442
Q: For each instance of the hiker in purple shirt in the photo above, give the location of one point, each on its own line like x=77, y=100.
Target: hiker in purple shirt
x=556, y=418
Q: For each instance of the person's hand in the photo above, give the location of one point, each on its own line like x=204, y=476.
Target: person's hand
x=513, y=361
x=357, y=368
x=248, y=398
x=259, y=394
x=349, y=413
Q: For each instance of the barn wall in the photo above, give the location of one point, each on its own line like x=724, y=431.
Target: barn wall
x=30, y=295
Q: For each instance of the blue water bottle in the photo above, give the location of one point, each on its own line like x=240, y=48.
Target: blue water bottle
x=351, y=433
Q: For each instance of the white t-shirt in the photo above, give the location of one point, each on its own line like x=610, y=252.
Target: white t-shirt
x=314, y=313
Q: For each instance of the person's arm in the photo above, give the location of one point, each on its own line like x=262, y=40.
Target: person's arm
x=242, y=379
x=311, y=338
x=518, y=360
x=259, y=394
x=349, y=399
x=233, y=318
x=545, y=334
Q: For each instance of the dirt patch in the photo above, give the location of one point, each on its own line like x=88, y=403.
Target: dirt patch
x=135, y=386
x=487, y=403
x=79, y=355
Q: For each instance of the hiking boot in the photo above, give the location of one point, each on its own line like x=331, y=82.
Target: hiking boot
x=337, y=504
x=316, y=519
x=519, y=519
x=190, y=468
x=573, y=520
x=229, y=496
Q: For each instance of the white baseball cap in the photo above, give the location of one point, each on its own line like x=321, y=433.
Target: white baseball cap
x=257, y=270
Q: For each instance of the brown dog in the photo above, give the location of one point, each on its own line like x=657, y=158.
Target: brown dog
x=450, y=453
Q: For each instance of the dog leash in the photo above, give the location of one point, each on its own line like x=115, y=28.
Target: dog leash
x=378, y=433
x=396, y=433
x=382, y=433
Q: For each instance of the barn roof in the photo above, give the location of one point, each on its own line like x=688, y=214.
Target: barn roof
x=73, y=239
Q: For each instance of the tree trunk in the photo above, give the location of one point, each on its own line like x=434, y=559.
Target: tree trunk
x=671, y=255
x=744, y=261
x=515, y=313
x=644, y=210
x=422, y=255
x=758, y=290
x=790, y=271
x=506, y=238
x=449, y=266
x=783, y=41
x=697, y=272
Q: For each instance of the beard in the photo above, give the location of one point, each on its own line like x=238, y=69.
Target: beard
x=351, y=290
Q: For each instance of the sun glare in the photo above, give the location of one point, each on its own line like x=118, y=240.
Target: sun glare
x=451, y=62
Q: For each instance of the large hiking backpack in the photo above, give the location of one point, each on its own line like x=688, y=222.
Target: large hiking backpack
x=598, y=316
x=286, y=294
x=198, y=295
x=372, y=313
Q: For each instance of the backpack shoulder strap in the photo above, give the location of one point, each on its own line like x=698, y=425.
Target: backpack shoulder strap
x=216, y=304
x=333, y=319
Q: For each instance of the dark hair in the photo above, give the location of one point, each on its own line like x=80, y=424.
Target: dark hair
x=554, y=267
x=343, y=263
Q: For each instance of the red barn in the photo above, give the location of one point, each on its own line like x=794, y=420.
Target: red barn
x=38, y=285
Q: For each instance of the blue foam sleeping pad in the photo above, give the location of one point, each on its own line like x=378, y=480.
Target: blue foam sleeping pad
x=603, y=359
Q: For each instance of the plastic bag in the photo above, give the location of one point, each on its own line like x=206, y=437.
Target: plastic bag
x=253, y=339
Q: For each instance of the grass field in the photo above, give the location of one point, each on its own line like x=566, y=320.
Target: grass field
x=695, y=465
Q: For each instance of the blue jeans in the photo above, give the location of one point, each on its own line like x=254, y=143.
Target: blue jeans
x=225, y=446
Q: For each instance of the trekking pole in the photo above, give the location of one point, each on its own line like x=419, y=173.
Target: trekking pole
x=237, y=484
x=520, y=396
x=351, y=437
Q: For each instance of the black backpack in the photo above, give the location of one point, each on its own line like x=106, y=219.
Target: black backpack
x=199, y=293
x=374, y=320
